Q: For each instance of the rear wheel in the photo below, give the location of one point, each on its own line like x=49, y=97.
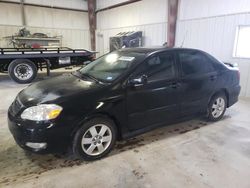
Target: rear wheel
x=22, y=71
x=217, y=107
x=95, y=139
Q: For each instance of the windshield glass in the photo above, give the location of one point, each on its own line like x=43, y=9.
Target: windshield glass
x=109, y=67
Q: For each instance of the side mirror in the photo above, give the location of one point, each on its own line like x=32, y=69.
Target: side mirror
x=140, y=81
x=86, y=62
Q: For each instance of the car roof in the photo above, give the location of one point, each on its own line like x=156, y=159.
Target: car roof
x=150, y=50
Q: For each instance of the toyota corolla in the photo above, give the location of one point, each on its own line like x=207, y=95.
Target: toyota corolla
x=120, y=95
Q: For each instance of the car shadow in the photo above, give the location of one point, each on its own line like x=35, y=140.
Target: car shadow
x=29, y=165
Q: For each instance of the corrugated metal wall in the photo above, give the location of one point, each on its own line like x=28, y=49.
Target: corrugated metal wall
x=72, y=25
x=147, y=16
x=208, y=25
x=211, y=26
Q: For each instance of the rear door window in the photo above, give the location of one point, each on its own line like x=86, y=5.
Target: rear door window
x=193, y=62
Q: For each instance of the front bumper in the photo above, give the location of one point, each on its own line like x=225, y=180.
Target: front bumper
x=45, y=137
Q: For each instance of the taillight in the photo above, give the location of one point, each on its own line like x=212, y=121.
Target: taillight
x=238, y=73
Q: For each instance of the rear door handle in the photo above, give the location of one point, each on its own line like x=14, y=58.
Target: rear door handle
x=213, y=77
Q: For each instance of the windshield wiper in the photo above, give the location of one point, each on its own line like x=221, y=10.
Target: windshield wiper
x=76, y=73
x=91, y=77
x=81, y=75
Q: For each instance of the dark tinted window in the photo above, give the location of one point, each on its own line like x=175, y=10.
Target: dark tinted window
x=158, y=67
x=195, y=63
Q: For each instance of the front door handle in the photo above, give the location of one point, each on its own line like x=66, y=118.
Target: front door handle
x=175, y=85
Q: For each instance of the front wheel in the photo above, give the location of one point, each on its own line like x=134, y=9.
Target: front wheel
x=95, y=139
x=217, y=107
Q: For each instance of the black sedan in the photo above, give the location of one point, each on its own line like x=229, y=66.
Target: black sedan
x=120, y=95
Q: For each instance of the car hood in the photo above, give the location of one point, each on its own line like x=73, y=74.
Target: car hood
x=56, y=89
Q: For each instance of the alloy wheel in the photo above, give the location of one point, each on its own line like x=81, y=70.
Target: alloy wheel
x=96, y=139
x=218, y=107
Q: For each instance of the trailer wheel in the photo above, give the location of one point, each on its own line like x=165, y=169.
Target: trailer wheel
x=22, y=71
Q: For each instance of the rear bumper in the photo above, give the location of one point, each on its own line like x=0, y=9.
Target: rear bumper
x=234, y=93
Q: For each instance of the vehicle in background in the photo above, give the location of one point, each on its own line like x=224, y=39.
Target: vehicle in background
x=120, y=95
x=22, y=64
x=129, y=39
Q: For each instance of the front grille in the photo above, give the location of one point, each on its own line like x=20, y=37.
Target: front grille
x=16, y=106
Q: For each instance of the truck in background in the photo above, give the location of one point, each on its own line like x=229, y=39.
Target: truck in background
x=22, y=64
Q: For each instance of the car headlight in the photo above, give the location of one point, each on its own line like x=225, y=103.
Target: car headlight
x=42, y=112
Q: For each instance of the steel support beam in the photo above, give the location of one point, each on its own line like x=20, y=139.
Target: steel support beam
x=172, y=18
x=118, y=5
x=92, y=22
x=42, y=6
x=23, y=13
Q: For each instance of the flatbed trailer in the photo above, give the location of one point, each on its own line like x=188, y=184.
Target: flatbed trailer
x=22, y=64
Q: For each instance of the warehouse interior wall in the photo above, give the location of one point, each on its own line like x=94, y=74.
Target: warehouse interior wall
x=211, y=26
x=72, y=25
x=207, y=25
x=147, y=16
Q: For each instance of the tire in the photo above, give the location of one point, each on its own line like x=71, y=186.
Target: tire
x=217, y=107
x=88, y=142
x=22, y=71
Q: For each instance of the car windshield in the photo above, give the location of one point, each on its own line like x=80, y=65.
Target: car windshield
x=109, y=67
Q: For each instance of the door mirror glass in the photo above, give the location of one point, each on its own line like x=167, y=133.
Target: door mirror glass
x=138, y=81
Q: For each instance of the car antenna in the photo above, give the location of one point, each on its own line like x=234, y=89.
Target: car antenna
x=184, y=39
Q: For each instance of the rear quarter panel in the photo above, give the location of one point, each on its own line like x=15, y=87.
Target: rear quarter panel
x=229, y=81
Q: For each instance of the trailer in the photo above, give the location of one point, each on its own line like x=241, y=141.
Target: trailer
x=22, y=64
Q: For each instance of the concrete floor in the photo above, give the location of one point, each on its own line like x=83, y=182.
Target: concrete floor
x=190, y=154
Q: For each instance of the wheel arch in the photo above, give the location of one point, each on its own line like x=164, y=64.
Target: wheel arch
x=21, y=60
x=104, y=115
x=223, y=90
